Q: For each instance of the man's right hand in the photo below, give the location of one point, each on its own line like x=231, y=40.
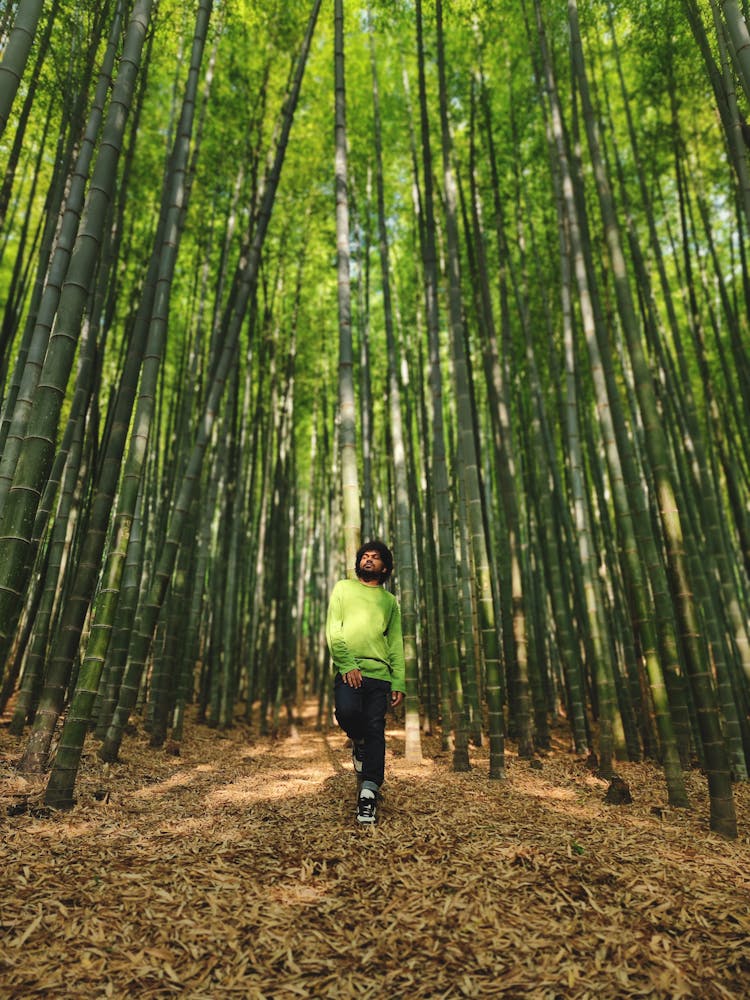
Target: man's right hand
x=353, y=678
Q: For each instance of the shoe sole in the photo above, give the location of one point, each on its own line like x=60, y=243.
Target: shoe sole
x=366, y=820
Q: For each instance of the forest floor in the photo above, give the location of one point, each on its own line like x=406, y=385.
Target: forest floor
x=237, y=869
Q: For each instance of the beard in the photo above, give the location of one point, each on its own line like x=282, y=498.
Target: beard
x=368, y=575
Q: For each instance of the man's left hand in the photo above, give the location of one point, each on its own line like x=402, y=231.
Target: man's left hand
x=396, y=698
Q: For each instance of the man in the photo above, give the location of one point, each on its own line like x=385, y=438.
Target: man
x=363, y=630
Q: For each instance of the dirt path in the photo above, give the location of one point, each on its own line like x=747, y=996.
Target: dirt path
x=237, y=870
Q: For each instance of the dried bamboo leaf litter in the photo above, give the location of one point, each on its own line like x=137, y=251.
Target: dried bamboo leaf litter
x=237, y=870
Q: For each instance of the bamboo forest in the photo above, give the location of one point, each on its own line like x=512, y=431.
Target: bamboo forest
x=470, y=277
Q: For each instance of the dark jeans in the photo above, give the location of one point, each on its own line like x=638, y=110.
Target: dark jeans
x=361, y=714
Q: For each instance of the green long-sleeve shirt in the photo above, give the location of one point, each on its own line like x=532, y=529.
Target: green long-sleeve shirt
x=363, y=630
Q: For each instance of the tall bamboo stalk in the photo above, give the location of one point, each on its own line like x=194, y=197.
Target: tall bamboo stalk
x=347, y=408
x=406, y=561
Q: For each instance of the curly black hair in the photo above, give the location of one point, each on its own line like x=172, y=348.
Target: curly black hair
x=383, y=551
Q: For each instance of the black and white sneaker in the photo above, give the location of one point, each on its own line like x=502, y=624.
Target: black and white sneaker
x=366, y=806
x=358, y=756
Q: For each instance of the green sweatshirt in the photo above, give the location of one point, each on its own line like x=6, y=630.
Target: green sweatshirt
x=363, y=630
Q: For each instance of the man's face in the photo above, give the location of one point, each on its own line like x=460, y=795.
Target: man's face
x=371, y=560
x=371, y=566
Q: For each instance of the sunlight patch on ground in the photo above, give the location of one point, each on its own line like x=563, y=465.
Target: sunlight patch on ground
x=296, y=894
x=179, y=779
x=284, y=786
x=559, y=794
x=187, y=828
x=293, y=751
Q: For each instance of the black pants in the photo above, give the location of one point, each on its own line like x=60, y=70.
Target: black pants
x=361, y=714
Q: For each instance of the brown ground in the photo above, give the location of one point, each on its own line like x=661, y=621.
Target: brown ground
x=237, y=870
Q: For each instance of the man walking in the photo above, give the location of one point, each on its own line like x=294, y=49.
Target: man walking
x=363, y=630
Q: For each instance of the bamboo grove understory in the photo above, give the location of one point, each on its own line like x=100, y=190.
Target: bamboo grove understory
x=470, y=277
